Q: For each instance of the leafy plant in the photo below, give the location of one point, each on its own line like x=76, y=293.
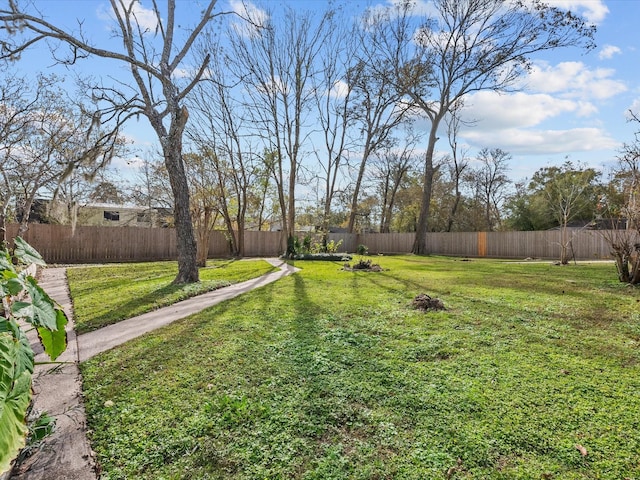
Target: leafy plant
x=17, y=285
x=293, y=246
x=306, y=244
x=362, y=250
x=332, y=246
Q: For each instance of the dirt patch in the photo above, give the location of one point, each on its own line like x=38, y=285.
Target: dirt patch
x=363, y=265
x=427, y=303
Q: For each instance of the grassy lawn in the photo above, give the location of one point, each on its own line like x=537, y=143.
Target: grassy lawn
x=111, y=293
x=328, y=374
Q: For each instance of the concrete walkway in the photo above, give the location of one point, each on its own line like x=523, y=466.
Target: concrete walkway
x=98, y=341
x=66, y=454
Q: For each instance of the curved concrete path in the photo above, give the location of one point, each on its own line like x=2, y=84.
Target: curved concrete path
x=66, y=454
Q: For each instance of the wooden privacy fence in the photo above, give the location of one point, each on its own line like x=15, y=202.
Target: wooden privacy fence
x=59, y=244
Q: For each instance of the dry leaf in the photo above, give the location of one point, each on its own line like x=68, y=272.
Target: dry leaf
x=455, y=469
x=582, y=450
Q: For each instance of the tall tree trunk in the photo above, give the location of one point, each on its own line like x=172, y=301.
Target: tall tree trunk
x=385, y=200
x=3, y=229
x=186, y=242
x=487, y=214
x=391, y=204
x=203, y=231
x=26, y=214
x=231, y=234
x=420, y=242
x=356, y=191
x=634, y=277
x=325, y=221
x=241, y=219
x=454, y=209
x=241, y=240
x=291, y=207
x=564, y=244
x=622, y=263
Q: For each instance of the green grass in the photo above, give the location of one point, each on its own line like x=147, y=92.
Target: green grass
x=328, y=374
x=103, y=295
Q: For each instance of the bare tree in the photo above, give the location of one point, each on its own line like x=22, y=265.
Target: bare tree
x=277, y=68
x=467, y=46
x=56, y=144
x=220, y=135
x=17, y=103
x=621, y=205
x=377, y=104
x=390, y=167
x=570, y=193
x=70, y=195
x=78, y=188
x=490, y=181
x=45, y=138
x=154, y=58
x=458, y=163
x=334, y=98
x=151, y=187
x=204, y=199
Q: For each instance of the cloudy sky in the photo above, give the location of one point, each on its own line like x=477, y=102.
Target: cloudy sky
x=573, y=105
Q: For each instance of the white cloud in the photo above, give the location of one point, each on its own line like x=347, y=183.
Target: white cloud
x=542, y=142
x=514, y=122
x=608, y=51
x=495, y=111
x=635, y=108
x=251, y=17
x=277, y=85
x=574, y=80
x=127, y=163
x=594, y=11
x=146, y=17
x=183, y=73
x=339, y=89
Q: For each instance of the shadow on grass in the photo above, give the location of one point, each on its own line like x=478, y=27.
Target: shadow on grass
x=136, y=306
x=508, y=279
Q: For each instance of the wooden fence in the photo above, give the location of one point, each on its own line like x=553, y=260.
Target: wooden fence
x=59, y=244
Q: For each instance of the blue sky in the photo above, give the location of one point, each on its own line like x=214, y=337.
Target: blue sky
x=573, y=105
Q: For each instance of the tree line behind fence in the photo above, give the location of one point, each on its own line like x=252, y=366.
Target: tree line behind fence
x=60, y=244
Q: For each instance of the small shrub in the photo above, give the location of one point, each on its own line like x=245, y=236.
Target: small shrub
x=362, y=250
x=332, y=246
x=306, y=244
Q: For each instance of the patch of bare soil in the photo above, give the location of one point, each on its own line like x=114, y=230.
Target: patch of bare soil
x=427, y=303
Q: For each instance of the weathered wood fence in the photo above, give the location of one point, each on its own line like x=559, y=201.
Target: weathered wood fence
x=59, y=244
